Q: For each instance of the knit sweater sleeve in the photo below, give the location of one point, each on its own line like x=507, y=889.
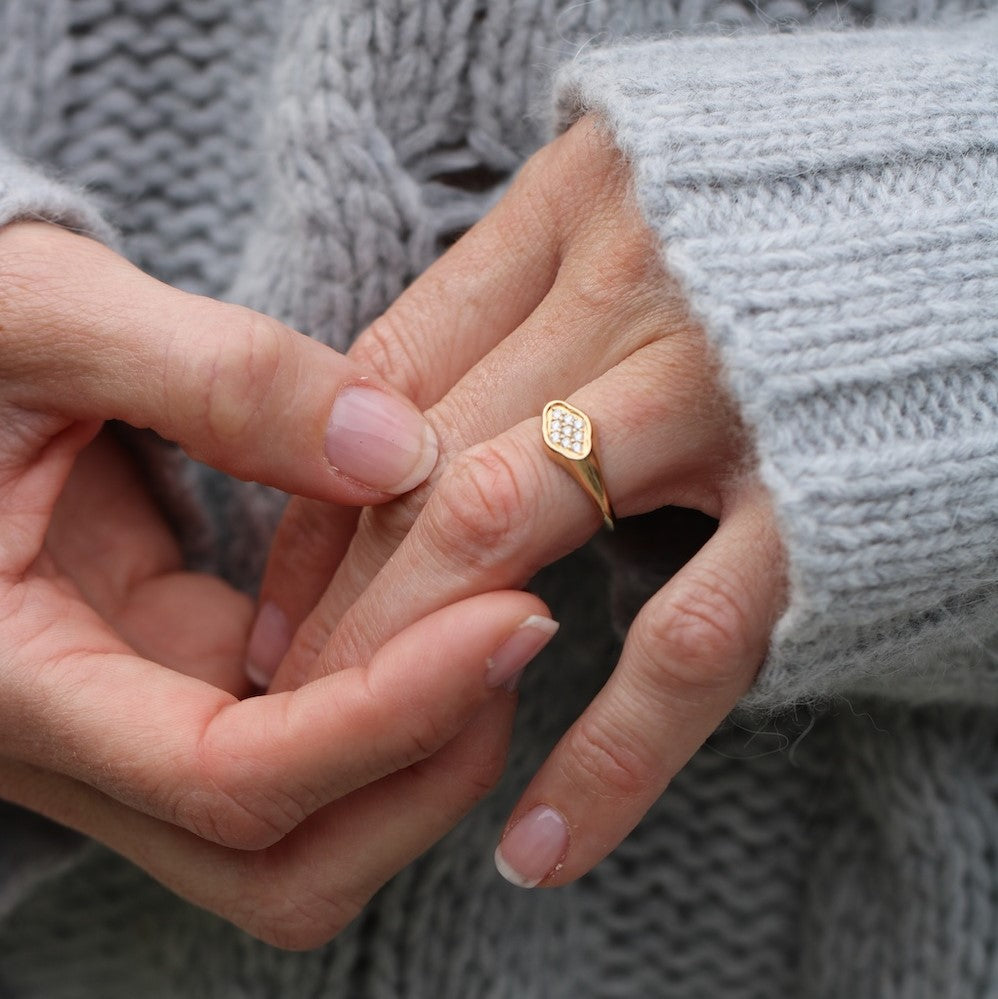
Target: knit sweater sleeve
x=829, y=203
x=29, y=192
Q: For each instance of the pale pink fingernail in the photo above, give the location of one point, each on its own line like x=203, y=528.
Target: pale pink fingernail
x=504, y=666
x=379, y=440
x=533, y=848
x=269, y=640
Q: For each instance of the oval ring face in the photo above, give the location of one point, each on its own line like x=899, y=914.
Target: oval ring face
x=567, y=430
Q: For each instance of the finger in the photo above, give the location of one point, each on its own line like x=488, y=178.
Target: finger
x=311, y=540
x=510, y=384
x=304, y=890
x=480, y=290
x=246, y=772
x=441, y=325
x=451, y=326
x=27, y=494
x=89, y=336
x=106, y=533
x=108, y=537
x=513, y=384
x=411, y=810
x=691, y=653
x=502, y=510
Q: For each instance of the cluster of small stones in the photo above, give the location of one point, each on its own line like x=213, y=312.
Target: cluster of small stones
x=566, y=430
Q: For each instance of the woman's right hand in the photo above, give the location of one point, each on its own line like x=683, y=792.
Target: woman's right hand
x=121, y=674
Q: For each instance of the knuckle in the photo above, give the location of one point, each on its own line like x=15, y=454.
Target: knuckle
x=235, y=819
x=384, y=527
x=481, y=507
x=570, y=178
x=386, y=348
x=603, y=759
x=702, y=635
x=424, y=726
x=422, y=737
x=608, y=289
x=538, y=194
x=468, y=777
x=238, y=373
x=238, y=801
x=480, y=776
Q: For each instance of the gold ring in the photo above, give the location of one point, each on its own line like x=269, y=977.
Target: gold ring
x=571, y=441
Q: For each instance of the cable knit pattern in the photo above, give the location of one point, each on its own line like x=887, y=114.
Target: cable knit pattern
x=828, y=201
x=863, y=351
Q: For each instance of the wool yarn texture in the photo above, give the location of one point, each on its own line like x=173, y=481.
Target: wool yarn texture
x=822, y=182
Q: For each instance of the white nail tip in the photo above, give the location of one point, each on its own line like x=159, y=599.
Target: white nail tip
x=428, y=458
x=257, y=675
x=543, y=624
x=511, y=874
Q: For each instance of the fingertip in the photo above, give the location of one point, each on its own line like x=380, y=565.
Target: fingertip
x=506, y=664
x=428, y=455
x=503, y=631
x=270, y=639
x=534, y=847
x=379, y=439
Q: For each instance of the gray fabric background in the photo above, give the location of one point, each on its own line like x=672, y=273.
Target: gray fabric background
x=309, y=159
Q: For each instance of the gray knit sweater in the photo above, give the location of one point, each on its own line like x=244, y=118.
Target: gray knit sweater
x=828, y=200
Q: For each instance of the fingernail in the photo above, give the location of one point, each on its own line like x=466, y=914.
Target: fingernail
x=504, y=666
x=269, y=640
x=379, y=440
x=533, y=848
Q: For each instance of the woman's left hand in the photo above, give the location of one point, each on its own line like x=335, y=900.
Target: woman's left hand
x=556, y=293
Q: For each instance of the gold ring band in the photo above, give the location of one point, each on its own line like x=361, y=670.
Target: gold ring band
x=571, y=441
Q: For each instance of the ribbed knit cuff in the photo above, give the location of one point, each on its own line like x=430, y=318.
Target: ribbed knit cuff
x=26, y=192
x=829, y=203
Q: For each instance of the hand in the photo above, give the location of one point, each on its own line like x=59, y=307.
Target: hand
x=557, y=293
x=248, y=807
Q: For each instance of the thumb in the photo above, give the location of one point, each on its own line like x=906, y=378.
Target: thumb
x=89, y=336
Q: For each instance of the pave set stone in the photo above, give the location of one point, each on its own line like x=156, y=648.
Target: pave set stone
x=567, y=430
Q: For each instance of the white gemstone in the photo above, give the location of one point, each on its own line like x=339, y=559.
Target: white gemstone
x=555, y=425
x=577, y=448
x=578, y=435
